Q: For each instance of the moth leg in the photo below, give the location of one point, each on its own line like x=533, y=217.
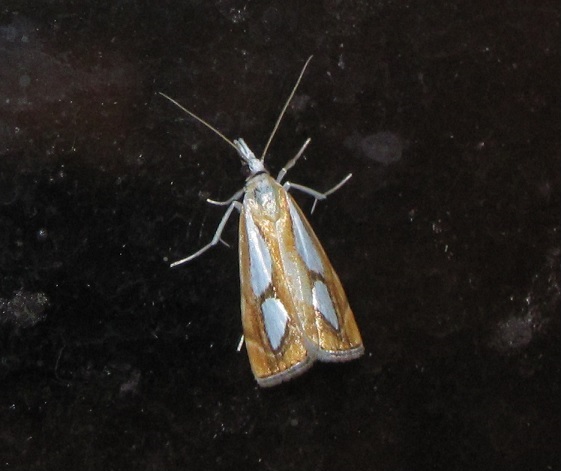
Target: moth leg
x=234, y=197
x=240, y=343
x=316, y=194
x=291, y=163
x=216, y=238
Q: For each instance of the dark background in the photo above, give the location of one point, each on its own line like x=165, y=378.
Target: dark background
x=446, y=239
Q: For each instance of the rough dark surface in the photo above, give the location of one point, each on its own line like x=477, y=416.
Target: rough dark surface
x=447, y=238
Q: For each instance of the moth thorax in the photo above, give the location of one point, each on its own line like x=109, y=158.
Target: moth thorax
x=266, y=198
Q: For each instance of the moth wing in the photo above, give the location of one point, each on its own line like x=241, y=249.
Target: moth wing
x=274, y=341
x=331, y=328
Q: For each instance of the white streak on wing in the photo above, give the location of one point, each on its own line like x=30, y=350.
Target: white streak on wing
x=260, y=259
x=275, y=318
x=305, y=246
x=323, y=303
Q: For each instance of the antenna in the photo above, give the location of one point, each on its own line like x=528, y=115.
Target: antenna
x=201, y=120
x=282, y=111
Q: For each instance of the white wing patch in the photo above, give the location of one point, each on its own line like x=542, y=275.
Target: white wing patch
x=323, y=303
x=260, y=259
x=275, y=318
x=305, y=246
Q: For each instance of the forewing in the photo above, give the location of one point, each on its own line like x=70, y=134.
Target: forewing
x=331, y=328
x=274, y=340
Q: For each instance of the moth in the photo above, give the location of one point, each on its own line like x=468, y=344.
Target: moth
x=294, y=309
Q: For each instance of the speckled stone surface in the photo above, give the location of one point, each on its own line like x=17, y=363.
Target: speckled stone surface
x=447, y=238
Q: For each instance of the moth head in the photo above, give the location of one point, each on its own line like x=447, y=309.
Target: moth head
x=250, y=164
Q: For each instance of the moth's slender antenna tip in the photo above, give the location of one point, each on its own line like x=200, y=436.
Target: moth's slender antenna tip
x=201, y=120
x=284, y=109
